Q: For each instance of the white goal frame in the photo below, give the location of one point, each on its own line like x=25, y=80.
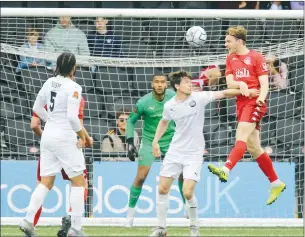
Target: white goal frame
x=162, y=13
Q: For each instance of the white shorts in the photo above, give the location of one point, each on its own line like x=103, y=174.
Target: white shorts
x=174, y=165
x=58, y=154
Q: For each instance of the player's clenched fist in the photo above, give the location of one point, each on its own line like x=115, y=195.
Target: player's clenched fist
x=156, y=149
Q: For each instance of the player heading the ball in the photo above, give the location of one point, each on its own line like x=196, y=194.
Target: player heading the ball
x=59, y=147
x=185, y=153
x=246, y=69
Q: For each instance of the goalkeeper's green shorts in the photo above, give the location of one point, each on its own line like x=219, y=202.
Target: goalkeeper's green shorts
x=146, y=157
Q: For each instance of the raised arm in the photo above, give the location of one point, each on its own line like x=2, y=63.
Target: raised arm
x=228, y=93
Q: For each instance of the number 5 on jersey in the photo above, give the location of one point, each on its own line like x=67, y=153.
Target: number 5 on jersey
x=52, y=101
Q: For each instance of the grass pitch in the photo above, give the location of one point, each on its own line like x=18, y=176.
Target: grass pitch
x=172, y=231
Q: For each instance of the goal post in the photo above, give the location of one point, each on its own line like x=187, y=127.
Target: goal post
x=152, y=41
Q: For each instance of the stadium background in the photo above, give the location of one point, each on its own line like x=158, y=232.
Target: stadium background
x=109, y=89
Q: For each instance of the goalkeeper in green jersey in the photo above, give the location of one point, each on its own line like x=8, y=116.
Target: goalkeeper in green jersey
x=150, y=107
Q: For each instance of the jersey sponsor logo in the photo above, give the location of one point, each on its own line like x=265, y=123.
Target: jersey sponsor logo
x=265, y=68
x=151, y=108
x=247, y=60
x=75, y=95
x=234, y=59
x=192, y=103
x=159, y=115
x=186, y=116
x=241, y=73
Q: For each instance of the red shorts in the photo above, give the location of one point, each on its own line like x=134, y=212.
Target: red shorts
x=63, y=173
x=248, y=111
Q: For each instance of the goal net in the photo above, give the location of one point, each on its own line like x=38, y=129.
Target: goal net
x=115, y=69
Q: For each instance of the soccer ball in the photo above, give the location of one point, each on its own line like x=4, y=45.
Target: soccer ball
x=196, y=36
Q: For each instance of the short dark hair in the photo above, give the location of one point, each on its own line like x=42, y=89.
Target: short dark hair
x=65, y=63
x=175, y=78
x=119, y=113
x=159, y=75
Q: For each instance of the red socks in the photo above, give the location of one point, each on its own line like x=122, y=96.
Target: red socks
x=38, y=213
x=37, y=216
x=236, y=154
x=265, y=163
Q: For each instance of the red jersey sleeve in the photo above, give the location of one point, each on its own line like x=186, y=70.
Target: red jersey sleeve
x=228, y=66
x=35, y=115
x=261, y=66
x=81, y=108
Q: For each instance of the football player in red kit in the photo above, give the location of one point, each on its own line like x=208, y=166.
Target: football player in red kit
x=246, y=69
x=35, y=126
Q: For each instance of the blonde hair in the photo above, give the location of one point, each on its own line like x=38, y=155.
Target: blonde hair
x=238, y=32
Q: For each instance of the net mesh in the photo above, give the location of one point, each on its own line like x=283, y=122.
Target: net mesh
x=115, y=75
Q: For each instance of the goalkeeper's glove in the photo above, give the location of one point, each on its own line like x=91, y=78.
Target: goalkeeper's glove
x=132, y=150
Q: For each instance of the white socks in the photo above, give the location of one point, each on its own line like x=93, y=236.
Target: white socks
x=36, y=201
x=193, y=210
x=162, y=206
x=131, y=212
x=225, y=169
x=77, y=205
x=276, y=183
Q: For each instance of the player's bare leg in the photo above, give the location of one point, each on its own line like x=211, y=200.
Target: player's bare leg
x=243, y=131
x=265, y=164
x=180, y=185
x=165, y=184
x=36, y=202
x=77, y=204
x=188, y=192
x=135, y=192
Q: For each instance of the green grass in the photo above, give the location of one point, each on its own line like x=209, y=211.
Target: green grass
x=172, y=231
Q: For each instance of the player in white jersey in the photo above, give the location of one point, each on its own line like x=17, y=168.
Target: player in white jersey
x=59, y=147
x=185, y=154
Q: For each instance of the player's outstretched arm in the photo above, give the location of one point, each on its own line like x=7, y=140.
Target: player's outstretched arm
x=232, y=84
x=234, y=92
x=35, y=126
